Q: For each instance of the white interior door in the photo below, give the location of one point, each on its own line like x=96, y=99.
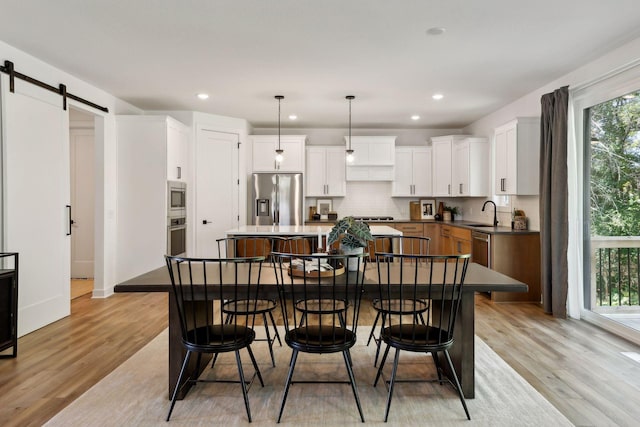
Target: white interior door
x=217, y=188
x=35, y=142
x=82, y=202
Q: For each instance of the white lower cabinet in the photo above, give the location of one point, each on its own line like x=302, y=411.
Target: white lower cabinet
x=325, y=171
x=412, y=177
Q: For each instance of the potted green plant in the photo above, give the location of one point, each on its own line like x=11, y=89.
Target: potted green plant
x=449, y=212
x=352, y=234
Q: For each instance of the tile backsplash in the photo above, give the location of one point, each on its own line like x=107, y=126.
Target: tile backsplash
x=368, y=198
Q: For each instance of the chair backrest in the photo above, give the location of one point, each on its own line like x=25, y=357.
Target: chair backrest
x=319, y=293
x=408, y=245
x=244, y=246
x=415, y=279
x=300, y=245
x=199, y=287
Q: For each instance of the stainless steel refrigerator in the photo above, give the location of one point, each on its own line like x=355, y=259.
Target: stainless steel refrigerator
x=277, y=199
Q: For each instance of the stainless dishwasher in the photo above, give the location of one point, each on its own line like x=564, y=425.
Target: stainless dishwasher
x=481, y=248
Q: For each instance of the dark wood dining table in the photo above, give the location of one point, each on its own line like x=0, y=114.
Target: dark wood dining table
x=478, y=279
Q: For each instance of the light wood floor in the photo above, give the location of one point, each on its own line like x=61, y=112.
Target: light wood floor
x=577, y=367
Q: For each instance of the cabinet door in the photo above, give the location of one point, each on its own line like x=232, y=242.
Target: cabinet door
x=461, y=246
x=335, y=172
x=421, y=166
x=264, y=155
x=500, y=162
x=511, y=139
x=177, y=157
x=293, y=156
x=316, y=165
x=403, y=173
x=442, y=168
x=461, y=167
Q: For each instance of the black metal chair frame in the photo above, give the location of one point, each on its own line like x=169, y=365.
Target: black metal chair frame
x=417, y=308
x=435, y=335
x=253, y=246
x=204, y=279
x=316, y=320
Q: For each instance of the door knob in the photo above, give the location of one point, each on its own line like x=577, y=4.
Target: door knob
x=205, y=222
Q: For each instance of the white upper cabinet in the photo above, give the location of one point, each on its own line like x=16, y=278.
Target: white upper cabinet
x=470, y=167
x=325, y=171
x=442, y=147
x=374, y=158
x=264, y=152
x=177, y=151
x=517, y=154
x=412, y=172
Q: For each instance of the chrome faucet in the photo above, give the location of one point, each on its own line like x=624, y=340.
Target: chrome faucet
x=495, y=213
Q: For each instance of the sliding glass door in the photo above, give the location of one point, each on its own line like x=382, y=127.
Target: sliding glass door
x=612, y=209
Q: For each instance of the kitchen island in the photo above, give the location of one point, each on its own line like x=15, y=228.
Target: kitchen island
x=302, y=230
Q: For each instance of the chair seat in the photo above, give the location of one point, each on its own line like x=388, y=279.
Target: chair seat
x=320, y=339
x=219, y=338
x=401, y=306
x=322, y=306
x=243, y=307
x=417, y=338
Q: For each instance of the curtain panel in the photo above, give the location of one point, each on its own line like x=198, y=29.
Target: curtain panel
x=554, y=222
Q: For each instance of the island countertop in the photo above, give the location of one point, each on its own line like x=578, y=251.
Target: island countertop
x=302, y=230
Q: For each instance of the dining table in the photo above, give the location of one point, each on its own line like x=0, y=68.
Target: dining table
x=478, y=279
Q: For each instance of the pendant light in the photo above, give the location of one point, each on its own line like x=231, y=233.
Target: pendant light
x=279, y=151
x=350, y=156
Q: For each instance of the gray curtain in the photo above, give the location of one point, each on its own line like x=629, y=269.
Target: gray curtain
x=554, y=227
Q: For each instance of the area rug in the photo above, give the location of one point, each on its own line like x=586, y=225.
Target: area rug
x=135, y=394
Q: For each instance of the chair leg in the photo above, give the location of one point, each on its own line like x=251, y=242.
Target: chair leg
x=379, y=339
x=392, y=383
x=275, y=328
x=458, y=387
x=436, y=361
x=384, y=359
x=352, y=380
x=243, y=384
x=175, y=390
x=292, y=365
x=255, y=365
x=269, y=342
x=373, y=328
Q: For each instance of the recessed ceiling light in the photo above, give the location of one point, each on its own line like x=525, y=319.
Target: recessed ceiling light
x=203, y=95
x=437, y=96
x=415, y=117
x=292, y=117
x=436, y=31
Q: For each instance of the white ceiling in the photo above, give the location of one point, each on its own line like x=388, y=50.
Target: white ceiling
x=158, y=54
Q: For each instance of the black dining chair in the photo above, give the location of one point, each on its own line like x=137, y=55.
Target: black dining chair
x=408, y=245
x=438, y=279
x=320, y=304
x=200, y=287
x=252, y=246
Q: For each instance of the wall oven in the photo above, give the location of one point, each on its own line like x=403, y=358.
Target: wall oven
x=177, y=198
x=176, y=218
x=177, y=236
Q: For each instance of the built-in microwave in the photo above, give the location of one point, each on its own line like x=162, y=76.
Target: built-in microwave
x=177, y=199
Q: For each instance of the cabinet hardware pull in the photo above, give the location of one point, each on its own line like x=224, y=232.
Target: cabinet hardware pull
x=460, y=188
x=448, y=188
x=179, y=172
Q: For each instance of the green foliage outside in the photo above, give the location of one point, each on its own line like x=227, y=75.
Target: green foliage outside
x=615, y=167
x=615, y=197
